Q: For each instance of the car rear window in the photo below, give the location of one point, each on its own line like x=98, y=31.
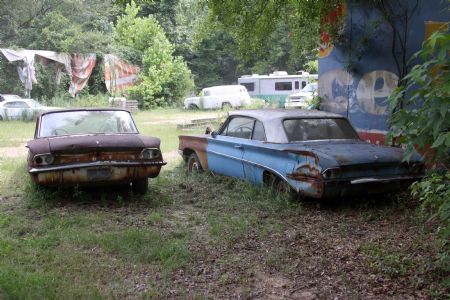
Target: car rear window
x=318, y=129
x=86, y=122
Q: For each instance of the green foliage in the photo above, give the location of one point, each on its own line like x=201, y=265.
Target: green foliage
x=164, y=78
x=59, y=25
x=254, y=22
x=434, y=194
x=312, y=66
x=424, y=120
x=47, y=87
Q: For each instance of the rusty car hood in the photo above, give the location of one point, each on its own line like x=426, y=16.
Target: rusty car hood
x=353, y=152
x=89, y=143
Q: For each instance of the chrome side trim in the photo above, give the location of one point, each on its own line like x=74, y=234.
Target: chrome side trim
x=97, y=164
x=386, y=179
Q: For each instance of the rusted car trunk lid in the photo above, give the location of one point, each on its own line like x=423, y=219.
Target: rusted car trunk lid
x=351, y=153
x=89, y=143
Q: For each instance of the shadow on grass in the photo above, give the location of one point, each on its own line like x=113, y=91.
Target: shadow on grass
x=103, y=196
x=401, y=200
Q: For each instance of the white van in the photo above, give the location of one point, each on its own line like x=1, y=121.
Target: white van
x=222, y=96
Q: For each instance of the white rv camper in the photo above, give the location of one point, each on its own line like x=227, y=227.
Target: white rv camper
x=277, y=86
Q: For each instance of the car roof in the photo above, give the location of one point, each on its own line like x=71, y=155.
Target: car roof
x=15, y=100
x=84, y=109
x=272, y=114
x=10, y=95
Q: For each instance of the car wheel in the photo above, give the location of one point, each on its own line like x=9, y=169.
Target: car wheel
x=193, y=164
x=192, y=106
x=226, y=106
x=1, y=118
x=280, y=186
x=140, y=186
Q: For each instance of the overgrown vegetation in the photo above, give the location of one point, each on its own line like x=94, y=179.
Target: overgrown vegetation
x=424, y=123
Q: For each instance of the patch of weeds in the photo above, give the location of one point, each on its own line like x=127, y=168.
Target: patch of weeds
x=17, y=283
x=278, y=259
x=155, y=217
x=13, y=177
x=231, y=227
x=195, y=219
x=388, y=262
x=145, y=246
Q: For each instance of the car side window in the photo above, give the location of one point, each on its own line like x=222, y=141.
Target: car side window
x=258, y=132
x=239, y=127
x=9, y=104
x=20, y=104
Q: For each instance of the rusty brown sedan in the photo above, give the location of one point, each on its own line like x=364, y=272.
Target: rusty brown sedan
x=92, y=147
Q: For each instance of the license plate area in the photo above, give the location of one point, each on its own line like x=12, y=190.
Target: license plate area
x=99, y=174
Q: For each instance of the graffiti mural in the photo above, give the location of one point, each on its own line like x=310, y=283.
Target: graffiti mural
x=356, y=78
x=363, y=99
x=334, y=89
x=373, y=91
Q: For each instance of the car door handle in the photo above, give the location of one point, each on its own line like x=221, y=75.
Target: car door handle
x=238, y=146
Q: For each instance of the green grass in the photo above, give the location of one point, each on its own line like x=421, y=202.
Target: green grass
x=144, y=246
x=15, y=133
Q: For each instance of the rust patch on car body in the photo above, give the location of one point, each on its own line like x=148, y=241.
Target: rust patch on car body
x=197, y=144
x=95, y=175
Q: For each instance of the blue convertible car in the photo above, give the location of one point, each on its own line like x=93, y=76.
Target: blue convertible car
x=316, y=154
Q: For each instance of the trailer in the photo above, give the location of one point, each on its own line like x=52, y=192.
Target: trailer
x=275, y=87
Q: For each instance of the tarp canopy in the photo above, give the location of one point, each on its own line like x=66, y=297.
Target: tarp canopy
x=118, y=74
x=78, y=66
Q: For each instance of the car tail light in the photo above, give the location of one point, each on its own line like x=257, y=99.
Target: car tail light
x=43, y=159
x=150, y=153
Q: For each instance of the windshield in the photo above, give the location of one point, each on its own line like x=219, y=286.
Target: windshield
x=86, y=122
x=318, y=129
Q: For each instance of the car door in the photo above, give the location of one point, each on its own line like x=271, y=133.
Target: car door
x=225, y=151
x=255, y=154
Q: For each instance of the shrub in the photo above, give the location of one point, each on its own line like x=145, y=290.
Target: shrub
x=165, y=79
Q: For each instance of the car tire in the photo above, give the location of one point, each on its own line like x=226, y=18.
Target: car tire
x=226, y=106
x=193, y=164
x=140, y=186
x=279, y=186
x=192, y=106
x=1, y=118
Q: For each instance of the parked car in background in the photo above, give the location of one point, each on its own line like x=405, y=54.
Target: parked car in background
x=24, y=109
x=313, y=153
x=4, y=97
x=92, y=147
x=303, y=98
x=222, y=96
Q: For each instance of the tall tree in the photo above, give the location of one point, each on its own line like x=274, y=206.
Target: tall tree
x=59, y=25
x=164, y=78
x=253, y=22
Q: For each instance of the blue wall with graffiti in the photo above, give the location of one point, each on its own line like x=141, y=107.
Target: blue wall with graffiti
x=359, y=72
